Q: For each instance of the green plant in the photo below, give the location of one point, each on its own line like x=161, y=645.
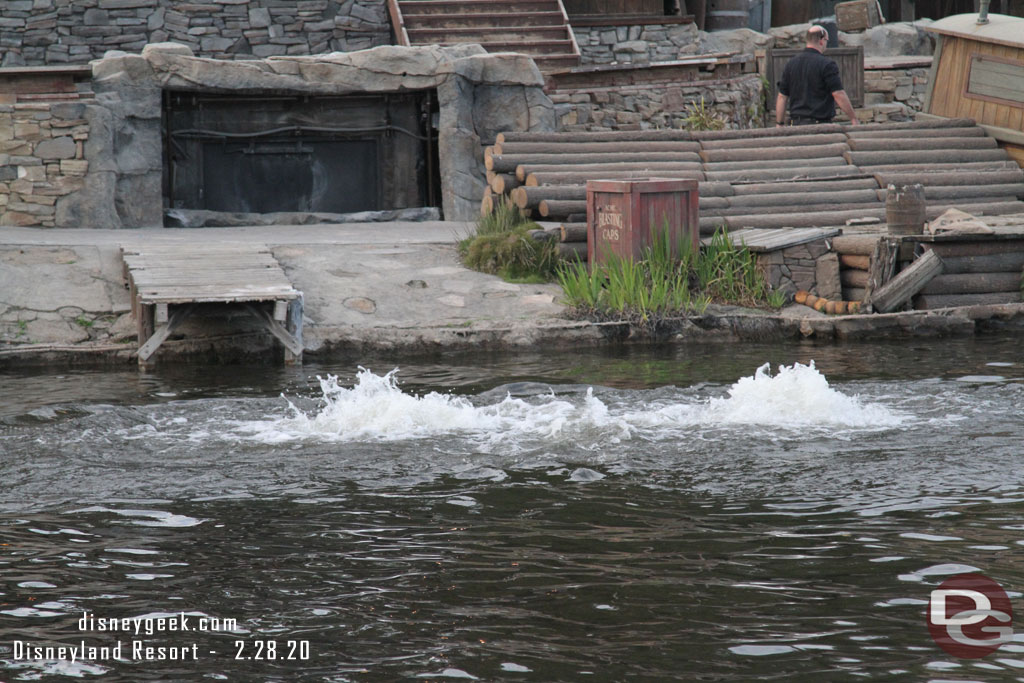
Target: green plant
x=503, y=246
x=82, y=321
x=667, y=282
x=22, y=328
x=729, y=274
x=700, y=117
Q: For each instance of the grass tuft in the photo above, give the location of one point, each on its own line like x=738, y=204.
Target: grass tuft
x=667, y=283
x=502, y=246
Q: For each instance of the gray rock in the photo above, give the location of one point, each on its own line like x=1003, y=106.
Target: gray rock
x=259, y=17
x=741, y=40
x=59, y=332
x=169, y=48
x=892, y=40
x=155, y=21
x=57, y=148
x=137, y=200
x=91, y=208
x=826, y=275
x=12, y=59
x=96, y=17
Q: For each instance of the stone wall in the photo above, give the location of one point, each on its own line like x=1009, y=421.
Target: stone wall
x=635, y=44
x=37, y=32
x=810, y=267
x=736, y=101
x=895, y=94
x=42, y=159
x=644, y=43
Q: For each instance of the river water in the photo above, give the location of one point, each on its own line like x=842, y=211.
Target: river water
x=717, y=513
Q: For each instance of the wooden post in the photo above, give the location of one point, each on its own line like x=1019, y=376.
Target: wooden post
x=883, y=265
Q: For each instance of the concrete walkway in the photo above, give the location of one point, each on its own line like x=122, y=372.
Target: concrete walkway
x=365, y=284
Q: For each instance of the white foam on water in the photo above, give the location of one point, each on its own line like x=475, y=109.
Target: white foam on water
x=796, y=397
x=376, y=409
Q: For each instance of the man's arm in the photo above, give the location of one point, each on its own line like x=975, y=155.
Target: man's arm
x=780, y=109
x=843, y=101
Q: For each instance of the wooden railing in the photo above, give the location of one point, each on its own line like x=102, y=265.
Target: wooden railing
x=568, y=28
x=398, y=23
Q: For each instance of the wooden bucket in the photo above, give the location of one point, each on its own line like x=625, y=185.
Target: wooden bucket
x=725, y=15
x=905, y=209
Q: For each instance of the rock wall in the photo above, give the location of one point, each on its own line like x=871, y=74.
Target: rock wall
x=810, y=267
x=42, y=160
x=643, y=43
x=895, y=93
x=37, y=32
x=479, y=95
x=738, y=102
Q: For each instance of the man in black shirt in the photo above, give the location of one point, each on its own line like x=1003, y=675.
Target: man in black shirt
x=811, y=86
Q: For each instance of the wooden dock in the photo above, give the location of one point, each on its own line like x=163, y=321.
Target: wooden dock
x=170, y=282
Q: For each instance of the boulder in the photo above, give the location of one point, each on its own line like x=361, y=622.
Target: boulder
x=740, y=40
x=892, y=40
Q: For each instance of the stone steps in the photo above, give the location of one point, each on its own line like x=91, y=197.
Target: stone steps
x=464, y=7
x=537, y=28
x=482, y=20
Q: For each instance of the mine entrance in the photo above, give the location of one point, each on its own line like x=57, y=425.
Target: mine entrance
x=269, y=153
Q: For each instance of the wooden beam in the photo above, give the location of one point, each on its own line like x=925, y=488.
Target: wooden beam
x=161, y=333
x=909, y=282
x=277, y=330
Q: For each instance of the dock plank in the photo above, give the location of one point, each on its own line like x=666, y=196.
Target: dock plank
x=182, y=276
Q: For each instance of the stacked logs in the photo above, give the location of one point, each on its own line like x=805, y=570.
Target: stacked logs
x=854, y=253
x=974, y=272
x=763, y=178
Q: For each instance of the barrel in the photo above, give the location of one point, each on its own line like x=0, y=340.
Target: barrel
x=905, y=209
x=725, y=15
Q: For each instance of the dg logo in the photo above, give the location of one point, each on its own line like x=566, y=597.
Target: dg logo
x=970, y=616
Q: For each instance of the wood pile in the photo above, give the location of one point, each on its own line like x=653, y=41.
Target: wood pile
x=855, y=253
x=976, y=270
x=804, y=176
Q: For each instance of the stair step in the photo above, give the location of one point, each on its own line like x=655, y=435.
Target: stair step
x=489, y=34
x=556, y=62
x=414, y=7
x=532, y=48
x=451, y=21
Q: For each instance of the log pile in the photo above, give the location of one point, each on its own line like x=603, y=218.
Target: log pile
x=764, y=178
x=854, y=253
x=974, y=272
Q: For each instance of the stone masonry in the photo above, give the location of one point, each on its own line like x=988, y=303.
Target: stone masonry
x=810, y=267
x=37, y=32
x=42, y=158
x=737, y=102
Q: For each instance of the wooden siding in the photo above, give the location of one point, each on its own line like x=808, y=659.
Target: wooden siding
x=950, y=80
x=851, y=70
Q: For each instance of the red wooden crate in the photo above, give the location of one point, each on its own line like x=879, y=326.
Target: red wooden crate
x=621, y=215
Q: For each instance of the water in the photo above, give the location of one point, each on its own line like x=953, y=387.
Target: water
x=640, y=514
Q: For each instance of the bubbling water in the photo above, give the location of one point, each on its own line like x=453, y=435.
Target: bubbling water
x=376, y=409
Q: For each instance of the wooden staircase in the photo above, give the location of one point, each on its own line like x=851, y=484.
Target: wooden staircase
x=539, y=28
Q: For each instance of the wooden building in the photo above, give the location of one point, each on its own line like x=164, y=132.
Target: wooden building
x=978, y=73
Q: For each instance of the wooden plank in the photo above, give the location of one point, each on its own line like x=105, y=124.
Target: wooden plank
x=761, y=240
x=161, y=334
x=973, y=283
x=933, y=301
x=906, y=284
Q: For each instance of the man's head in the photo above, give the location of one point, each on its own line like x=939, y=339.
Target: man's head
x=817, y=38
